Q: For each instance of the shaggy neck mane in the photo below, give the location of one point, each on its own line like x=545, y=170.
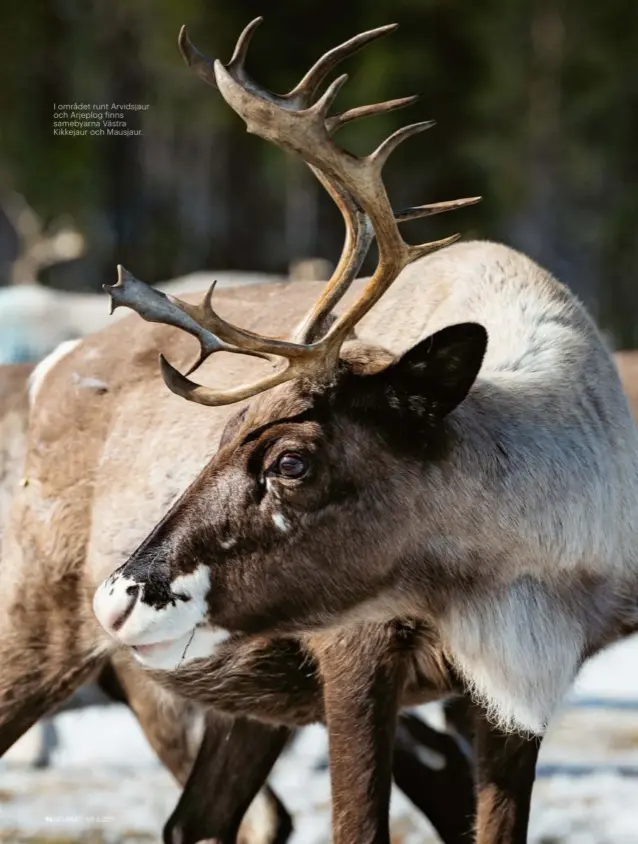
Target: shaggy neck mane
x=519, y=509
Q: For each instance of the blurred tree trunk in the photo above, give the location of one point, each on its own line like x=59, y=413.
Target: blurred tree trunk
x=126, y=207
x=538, y=225
x=301, y=211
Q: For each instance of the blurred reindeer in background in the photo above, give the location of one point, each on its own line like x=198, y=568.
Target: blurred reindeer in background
x=33, y=318
x=39, y=246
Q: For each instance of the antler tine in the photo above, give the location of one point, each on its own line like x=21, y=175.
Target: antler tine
x=201, y=64
x=238, y=58
x=334, y=123
x=387, y=147
x=433, y=208
x=306, y=89
x=187, y=389
x=155, y=306
x=322, y=106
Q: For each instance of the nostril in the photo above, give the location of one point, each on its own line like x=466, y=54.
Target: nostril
x=114, y=602
x=120, y=617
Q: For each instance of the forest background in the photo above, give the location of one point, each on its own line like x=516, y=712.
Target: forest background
x=536, y=103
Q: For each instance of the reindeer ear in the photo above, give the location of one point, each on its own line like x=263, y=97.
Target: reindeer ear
x=436, y=375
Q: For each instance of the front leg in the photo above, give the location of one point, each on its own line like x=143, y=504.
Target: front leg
x=233, y=763
x=279, y=681
x=363, y=674
x=506, y=772
x=221, y=771
x=437, y=776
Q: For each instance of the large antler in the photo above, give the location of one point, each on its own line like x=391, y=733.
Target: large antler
x=294, y=122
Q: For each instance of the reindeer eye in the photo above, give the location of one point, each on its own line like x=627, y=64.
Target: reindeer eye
x=292, y=465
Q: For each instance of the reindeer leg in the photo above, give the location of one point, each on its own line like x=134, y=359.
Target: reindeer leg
x=43, y=660
x=29, y=693
x=506, y=766
x=436, y=775
x=222, y=771
x=279, y=680
x=222, y=798
x=362, y=687
x=461, y=715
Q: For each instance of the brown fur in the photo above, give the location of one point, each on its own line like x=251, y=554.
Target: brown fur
x=13, y=433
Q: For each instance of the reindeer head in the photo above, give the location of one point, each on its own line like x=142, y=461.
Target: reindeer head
x=310, y=505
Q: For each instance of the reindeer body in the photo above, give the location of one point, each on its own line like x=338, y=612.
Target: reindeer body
x=533, y=509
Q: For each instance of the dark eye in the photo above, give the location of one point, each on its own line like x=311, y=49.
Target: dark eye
x=291, y=465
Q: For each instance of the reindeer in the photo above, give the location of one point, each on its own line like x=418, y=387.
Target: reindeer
x=484, y=492
x=366, y=533
x=443, y=790
x=39, y=246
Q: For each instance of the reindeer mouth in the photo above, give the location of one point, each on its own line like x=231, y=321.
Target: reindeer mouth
x=202, y=642
x=146, y=650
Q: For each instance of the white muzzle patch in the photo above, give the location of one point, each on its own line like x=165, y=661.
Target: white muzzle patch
x=160, y=637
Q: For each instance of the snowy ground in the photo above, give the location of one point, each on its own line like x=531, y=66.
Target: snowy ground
x=105, y=787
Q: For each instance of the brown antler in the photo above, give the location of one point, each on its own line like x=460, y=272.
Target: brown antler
x=359, y=231
x=356, y=186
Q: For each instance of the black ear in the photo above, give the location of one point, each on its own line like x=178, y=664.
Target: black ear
x=436, y=374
